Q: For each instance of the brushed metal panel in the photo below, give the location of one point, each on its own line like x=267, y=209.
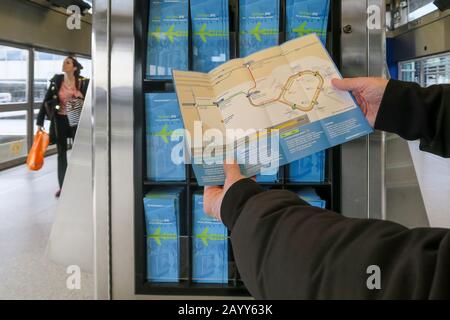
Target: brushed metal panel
x=425, y=40
x=377, y=67
x=363, y=54
x=122, y=126
x=354, y=44
x=71, y=239
x=101, y=182
x=355, y=153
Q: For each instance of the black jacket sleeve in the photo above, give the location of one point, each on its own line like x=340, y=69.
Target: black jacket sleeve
x=414, y=113
x=286, y=249
x=50, y=95
x=43, y=110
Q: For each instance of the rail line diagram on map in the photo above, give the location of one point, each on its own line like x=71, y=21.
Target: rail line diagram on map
x=267, y=89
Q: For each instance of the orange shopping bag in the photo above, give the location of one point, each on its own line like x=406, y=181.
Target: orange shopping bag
x=35, y=159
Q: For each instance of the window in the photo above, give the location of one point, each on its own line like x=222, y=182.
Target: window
x=426, y=71
x=410, y=71
x=13, y=135
x=436, y=70
x=13, y=75
x=15, y=105
x=46, y=65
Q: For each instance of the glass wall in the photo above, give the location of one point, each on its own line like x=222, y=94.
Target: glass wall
x=13, y=75
x=18, y=112
x=14, y=78
x=46, y=65
x=13, y=135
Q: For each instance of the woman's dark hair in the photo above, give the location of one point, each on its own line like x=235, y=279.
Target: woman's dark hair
x=77, y=72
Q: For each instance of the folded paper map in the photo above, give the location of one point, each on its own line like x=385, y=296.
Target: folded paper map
x=283, y=91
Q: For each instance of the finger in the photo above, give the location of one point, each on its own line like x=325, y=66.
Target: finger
x=348, y=84
x=210, y=194
x=231, y=170
x=253, y=178
x=207, y=190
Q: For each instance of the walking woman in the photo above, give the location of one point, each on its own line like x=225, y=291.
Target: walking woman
x=63, y=88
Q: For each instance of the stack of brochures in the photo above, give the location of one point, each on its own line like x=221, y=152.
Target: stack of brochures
x=259, y=22
x=162, y=211
x=210, y=26
x=162, y=117
x=310, y=196
x=307, y=16
x=168, y=43
x=268, y=178
x=210, y=246
x=308, y=169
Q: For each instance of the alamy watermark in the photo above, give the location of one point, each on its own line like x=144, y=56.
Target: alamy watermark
x=73, y=281
x=73, y=22
x=258, y=147
x=374, y=17
x=374, y=280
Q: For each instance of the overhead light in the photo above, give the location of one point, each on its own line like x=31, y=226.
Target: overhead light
x=442, y=4
x=422, y=11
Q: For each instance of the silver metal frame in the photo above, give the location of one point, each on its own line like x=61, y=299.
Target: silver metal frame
x=122, y=137
x=362, y=179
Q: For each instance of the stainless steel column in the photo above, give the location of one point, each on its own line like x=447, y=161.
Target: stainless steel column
x=122, y=158
x=363, y=54
x=101, y=147
x=113, y=148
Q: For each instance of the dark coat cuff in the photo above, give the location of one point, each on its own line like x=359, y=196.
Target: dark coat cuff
x=391, y=110
x=235, y=199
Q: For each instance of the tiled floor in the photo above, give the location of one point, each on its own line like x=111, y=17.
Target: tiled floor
x=27, y=211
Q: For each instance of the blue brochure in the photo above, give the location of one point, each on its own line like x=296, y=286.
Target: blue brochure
x=259, y=25
x=168, y=43
x=268, y=177
x=210, y=26
x=307, y=16
x=162, y=225
x=308, y=169
x=163, y=117
x=210, y=247
x=310, y=196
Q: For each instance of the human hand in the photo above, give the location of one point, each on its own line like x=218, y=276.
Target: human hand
x=368, y=92
x=213, y=195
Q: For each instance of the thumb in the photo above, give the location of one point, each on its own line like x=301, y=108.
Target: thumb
x=347, y=84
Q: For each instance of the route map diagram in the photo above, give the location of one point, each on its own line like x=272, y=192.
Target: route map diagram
x=267, y=89
x=281, y=98
x=286, y=87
